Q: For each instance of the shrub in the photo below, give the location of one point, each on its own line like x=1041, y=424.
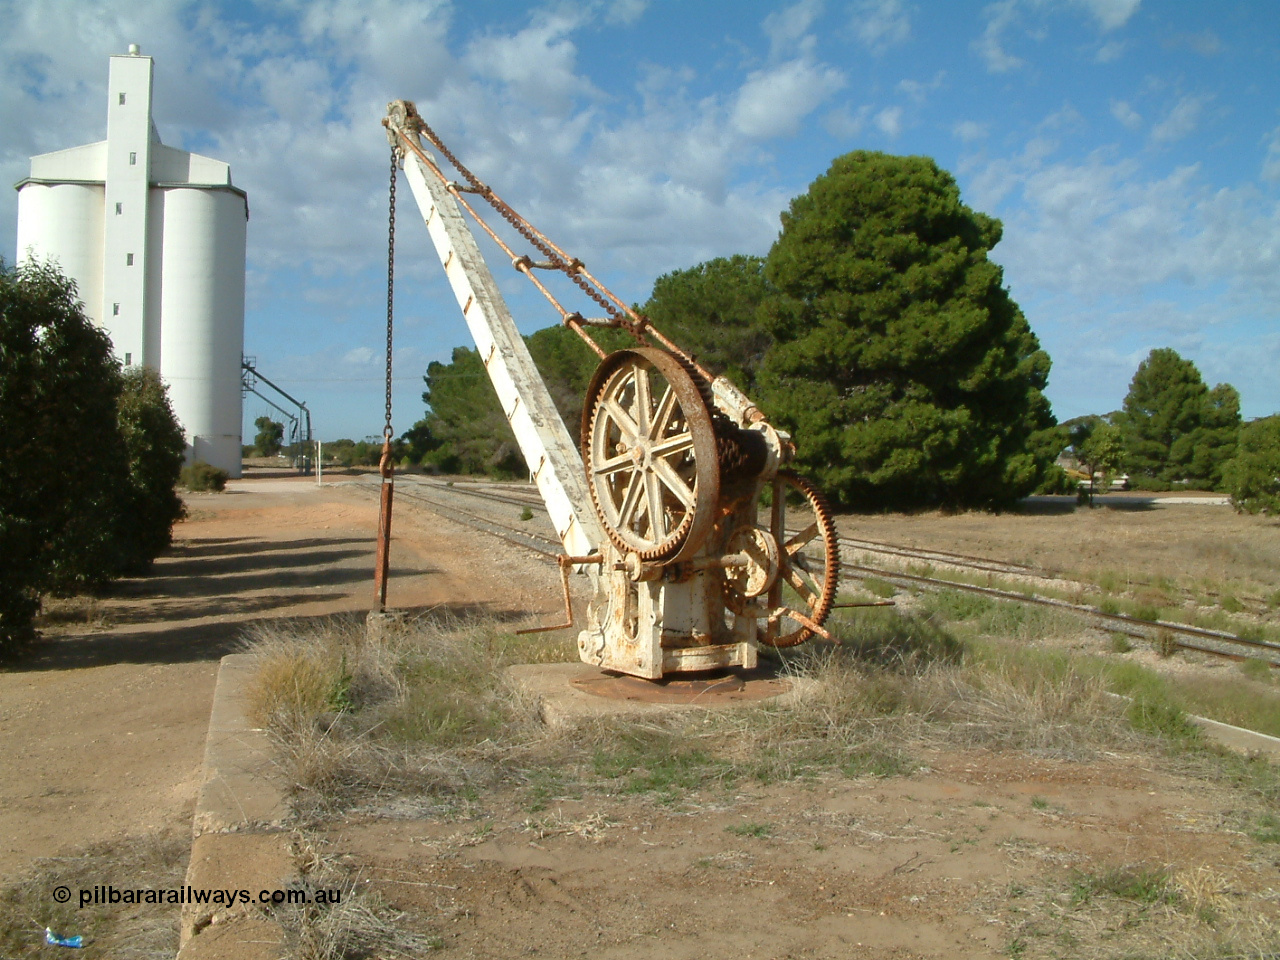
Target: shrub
x=202, y=476
x=155, y=444
x=58, y=382
x=1252, y=477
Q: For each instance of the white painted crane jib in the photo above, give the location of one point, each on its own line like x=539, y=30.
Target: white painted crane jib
x=545, y=442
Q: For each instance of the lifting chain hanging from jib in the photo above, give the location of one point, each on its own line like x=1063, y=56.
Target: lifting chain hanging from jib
x=386, y=468
x=707, y=546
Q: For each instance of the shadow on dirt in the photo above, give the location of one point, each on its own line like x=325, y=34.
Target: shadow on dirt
x=1054, y=505
x=205, y=641
x=203, y=594
x=242, y=546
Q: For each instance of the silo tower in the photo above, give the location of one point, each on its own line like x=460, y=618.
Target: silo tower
x=155, y=239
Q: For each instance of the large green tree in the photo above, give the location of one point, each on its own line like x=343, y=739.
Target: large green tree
x=59, y=386
x=905, y=370
x=466, y=420
x=1175, y=428
x=711, y=312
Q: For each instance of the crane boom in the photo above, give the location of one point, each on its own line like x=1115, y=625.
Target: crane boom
x=550, y=452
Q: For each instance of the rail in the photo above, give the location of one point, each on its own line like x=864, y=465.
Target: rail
x=1183, y=636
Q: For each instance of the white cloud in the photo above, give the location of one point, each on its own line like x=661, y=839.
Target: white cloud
x=1002, y=16
x=1111, y=14
x=881, y=24
x=846, y=124
x=773, y=102
x=1206, y=42
x=1181, y=121
x=1102, y=228
x=1121, y=110
x=1271, y=162
x=889, y=122
x=625, y=12
x=919, y=90
x=1065, y=118
x=788, y=29
x=1110, y=51
x=969, y=131
x=990, y=46
x=359, y=357
x=537, y=64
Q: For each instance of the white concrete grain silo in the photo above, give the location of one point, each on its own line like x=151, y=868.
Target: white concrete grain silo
x=155, y=239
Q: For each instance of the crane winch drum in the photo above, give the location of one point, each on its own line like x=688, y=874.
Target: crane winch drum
x=677, y=503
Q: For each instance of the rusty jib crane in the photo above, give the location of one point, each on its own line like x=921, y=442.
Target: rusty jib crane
x=699, y=543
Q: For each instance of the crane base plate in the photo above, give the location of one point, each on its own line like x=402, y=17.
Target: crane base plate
x=567, y=694
x=705, y=689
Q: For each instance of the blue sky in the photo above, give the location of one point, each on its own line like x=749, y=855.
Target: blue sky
x=1131, y=148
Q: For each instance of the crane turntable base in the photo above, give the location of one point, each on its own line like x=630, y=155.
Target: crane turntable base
x=570, y=693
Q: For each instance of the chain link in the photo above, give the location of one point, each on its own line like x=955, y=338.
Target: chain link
x=387, y=432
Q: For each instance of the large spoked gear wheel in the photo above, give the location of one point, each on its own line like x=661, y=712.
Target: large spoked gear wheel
x=804, y=553
x=649, y=448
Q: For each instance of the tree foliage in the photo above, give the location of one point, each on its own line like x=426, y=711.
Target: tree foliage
x=66, y=527
x=466, y=419
x=711, y=311
x=155, y=446
x=901, y=364
x=1098, y=447
x=1252, y=476
x=58, y=385
x=465, y=430
x=270, y=438
x=1175, y=428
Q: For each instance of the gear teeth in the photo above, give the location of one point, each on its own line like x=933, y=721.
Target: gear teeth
x=831, y=572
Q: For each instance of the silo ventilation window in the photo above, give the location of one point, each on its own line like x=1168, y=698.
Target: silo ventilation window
x=122, y=99
x=128, y=359
x=119, y=209
x=133, y=158
x=128, y=259
x=115, y=309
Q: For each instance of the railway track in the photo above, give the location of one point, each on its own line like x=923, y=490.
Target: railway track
x=459, y=500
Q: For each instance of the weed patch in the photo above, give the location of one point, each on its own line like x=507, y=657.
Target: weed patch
x=758, y=831
x=1137, y=884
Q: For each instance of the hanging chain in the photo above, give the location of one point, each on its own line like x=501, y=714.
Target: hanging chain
x=385, y=466
x=387, y=432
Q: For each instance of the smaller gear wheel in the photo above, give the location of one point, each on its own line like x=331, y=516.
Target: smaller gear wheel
x=798, y=521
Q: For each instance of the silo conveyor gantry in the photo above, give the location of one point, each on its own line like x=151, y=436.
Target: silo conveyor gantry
x=700, y=545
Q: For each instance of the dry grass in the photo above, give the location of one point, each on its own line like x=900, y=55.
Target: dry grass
x=1134, y=910
x=1191, y=548
x=143, y=932
x=420, y=723
x=424, y=712
x=79, y=612
x=421, y=707
x=361, y=924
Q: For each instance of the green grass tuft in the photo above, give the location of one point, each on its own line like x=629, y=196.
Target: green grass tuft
x=758, y=831
x=1137, y=884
